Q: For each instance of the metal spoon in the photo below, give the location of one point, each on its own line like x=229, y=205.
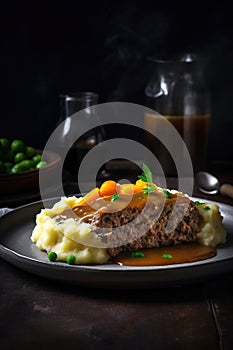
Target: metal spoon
x=209, y=184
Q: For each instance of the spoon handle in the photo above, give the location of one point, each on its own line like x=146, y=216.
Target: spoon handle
x=227, y=190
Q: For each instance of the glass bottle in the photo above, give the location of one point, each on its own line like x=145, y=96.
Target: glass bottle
x=178, y=91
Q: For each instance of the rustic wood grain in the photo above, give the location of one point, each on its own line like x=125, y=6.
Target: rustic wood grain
x=41, y=313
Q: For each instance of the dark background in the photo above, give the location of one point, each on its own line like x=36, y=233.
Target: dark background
x=106, y=47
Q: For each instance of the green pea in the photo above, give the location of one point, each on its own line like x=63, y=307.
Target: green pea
x=36, y=159
x=30, y=152
x=8, y=156
x=70, y=259
x=41, y=164
x=22, y=166
x=8, y=167
x=2, y=167
x=17, y=146
x=16, y=169
x=19, y=157
x=4, y=143
x=52, y=256
x=27, y=164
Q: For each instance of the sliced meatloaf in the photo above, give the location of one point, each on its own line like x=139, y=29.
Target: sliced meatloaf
x=147, y=221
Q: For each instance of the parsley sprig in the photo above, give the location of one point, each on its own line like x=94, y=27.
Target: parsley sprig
x=136, y=255
x=149, y=188
x=146, y=175
x=148, y=178
x=167, y=193
x=197, y=203
x=207, y=208
x=166, y=256
x=115, y=196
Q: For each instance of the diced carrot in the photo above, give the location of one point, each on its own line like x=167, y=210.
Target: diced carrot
x=128, y=189
x=82, y=203
x=141, y=184
x=90, y=196
x=108, y=188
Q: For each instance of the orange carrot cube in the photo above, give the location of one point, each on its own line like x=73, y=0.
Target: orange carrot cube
x=108, y=188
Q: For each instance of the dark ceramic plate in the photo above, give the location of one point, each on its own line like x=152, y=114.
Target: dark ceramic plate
x=17, y=248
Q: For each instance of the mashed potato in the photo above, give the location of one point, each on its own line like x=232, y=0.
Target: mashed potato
x=69, y=237
x=212, y=230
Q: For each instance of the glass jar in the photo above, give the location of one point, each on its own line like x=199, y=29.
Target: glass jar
x=178, y=91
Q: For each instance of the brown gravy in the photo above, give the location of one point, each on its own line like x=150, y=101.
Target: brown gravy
x=185, y=253
x=106, y=205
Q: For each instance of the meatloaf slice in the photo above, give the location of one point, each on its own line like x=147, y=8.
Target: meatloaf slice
x=157, y=224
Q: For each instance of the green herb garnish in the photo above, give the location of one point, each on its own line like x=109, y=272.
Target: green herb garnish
x=52, y=256
x=207, y=208
x=136, y=255
x=197, y=203
x=166, y=256
x=114, y=197
x=149, y=188
x=60, y=222
x=146, y=175
x=167, y=193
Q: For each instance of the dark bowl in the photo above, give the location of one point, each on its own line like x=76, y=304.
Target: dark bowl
x=29, y=180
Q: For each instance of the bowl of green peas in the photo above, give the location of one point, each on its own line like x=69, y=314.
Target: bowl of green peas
x=20, y=165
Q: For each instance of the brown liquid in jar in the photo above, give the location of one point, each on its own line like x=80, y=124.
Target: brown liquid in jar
x=185, y=253
x=193, y=130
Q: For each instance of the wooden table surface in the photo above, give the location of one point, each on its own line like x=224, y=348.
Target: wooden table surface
x=37, y=313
